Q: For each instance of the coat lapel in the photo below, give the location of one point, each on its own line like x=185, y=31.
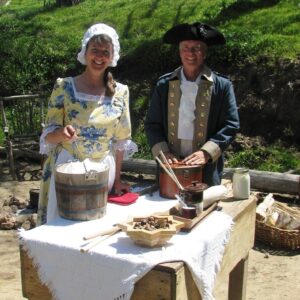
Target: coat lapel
x=203, y=101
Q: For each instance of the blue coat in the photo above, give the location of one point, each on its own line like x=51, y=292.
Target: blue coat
x=217, y=130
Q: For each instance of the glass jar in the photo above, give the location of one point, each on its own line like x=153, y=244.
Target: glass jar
x=241, y=183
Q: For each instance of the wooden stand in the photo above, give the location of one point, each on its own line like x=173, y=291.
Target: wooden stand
x=174, y=280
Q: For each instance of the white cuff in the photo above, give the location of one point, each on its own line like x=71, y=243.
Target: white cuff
x=46, y=147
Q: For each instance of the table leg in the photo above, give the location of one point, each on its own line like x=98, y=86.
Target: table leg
x=238, y=281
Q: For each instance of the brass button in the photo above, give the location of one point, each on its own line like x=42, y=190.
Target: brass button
x=201, y=125
x=202, y=115
x=172, y=95
x=172, y=124
x=200, y=134
x=173, y=115
x=172, y=133
x=172, y=143
x=203, y=104
x=172, y=103
x=173, y=85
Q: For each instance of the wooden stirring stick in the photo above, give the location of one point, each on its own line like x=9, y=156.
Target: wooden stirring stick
x=103, y=232
x=99, y=239
x=94, y=243
x=174, y=178
x=170, y=169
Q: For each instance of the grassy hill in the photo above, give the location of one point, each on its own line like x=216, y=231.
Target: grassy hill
x=40, y=43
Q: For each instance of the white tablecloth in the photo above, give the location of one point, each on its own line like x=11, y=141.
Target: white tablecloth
x=110, y=269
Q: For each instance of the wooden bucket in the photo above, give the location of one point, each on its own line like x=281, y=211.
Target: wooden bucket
x=81, y=197
x=185, y=174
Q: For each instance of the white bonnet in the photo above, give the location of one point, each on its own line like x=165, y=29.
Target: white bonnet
x=97, y=29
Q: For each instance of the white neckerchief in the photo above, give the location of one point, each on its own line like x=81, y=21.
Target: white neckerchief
x=186, y=115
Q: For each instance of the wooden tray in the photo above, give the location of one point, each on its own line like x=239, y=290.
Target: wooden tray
x=190, y=223
x=155, y=238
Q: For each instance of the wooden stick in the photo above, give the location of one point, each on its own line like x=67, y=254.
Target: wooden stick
x=167, y=163
x=93, y=243
x=164, y=158
x=103, y=232
x=170, y=169
x=97, y=241
x=170, y=174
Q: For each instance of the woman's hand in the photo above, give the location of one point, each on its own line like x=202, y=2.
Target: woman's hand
x=69, y=133
x=64, y=134
x=197, y=158
x=121, y=187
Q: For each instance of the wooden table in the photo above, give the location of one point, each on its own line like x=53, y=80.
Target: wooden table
x=173, y=281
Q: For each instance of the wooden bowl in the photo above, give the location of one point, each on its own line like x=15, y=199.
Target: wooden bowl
x=153, y=238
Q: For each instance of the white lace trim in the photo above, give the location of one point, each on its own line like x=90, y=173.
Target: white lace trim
x=46, y=147
x=128, y=146
x=88, y=97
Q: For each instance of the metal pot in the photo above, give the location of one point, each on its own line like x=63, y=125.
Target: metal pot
x=184, y=173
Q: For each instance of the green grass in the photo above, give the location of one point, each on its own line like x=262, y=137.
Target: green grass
x=274, y=159
x=39, y=44
x=272, y=31
x=147, y=20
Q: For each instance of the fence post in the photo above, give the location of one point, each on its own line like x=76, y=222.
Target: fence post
x=9, y=148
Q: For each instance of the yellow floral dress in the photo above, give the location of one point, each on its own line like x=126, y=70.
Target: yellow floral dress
x=100, y=121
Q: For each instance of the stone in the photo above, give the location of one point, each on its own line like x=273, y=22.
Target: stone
x=26, y=225
x=6, y=209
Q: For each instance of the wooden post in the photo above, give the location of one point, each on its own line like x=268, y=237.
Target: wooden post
x=11, y=160
x=9, y=148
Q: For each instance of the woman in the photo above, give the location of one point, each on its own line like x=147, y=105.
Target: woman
x=88, y=117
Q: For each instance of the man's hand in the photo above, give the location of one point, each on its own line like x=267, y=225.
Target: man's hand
x=170, y=158
x=197, y=158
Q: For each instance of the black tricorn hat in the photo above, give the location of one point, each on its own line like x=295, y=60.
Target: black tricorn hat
x=196, y=31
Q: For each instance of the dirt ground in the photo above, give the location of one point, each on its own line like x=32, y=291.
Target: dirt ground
x=271, y=274
x=10, y=275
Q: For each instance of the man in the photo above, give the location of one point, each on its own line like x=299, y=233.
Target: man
x=193, y=114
